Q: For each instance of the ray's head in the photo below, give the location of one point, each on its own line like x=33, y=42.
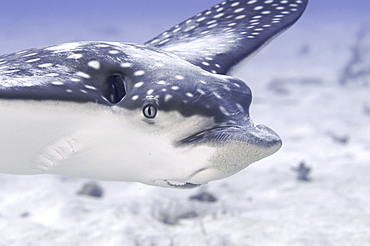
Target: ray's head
x=194, y=110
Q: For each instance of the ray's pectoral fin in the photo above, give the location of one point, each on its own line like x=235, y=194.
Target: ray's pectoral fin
x=221, y=37
x=55, y=153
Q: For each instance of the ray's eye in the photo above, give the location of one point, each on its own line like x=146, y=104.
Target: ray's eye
x=116, y=88
x=150, y=111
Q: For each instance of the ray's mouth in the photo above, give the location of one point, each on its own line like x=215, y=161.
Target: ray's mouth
x=182, y=185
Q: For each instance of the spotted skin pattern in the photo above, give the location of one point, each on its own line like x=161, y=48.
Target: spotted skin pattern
x=148, y=73
x=185, y=69
x=222, y=36
x=214, y=40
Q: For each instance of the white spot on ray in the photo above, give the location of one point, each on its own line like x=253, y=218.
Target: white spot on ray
x=90, y=87
x=126, y=64
x=52, y=74
x=240, y=107
x=11, y=71
x=202, y=92
x=94, y=64
x=240, y=17
x=154, y=41
x=219, y=9
x=33, y=60
x=179, y=77
x=32, y=54
x=213, y=25
x=218, y=15
x=217, y=95
x=57, y=83
x=266, y=12
x=64, y=47
x=138, y=84
x=102, y=45
x=224, y=111
x=168, y=39
x=167, y=97
x=75, y=56
x=139, y=73
x=83, y=75
x=46, y=65
x=134, y=98
x=239, y=10
x=188, y=94
x=114, y=52
x=161, y=82
x=211, y=22
x=21, y=52
x=175, y=88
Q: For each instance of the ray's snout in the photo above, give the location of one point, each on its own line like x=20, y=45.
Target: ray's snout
x=264, y=136
x=237, y=148
x=262, y=140
x=259, y=135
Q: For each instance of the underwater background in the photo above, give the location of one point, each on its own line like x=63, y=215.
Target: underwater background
x=311, y=85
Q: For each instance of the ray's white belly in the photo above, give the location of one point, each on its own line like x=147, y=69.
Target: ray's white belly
x=87, y=141
x=25, y=131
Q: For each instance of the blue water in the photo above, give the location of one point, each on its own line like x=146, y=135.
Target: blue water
x=29, y=23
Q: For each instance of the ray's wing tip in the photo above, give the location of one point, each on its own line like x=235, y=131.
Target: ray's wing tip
x=236, y=28
x=218, y=11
